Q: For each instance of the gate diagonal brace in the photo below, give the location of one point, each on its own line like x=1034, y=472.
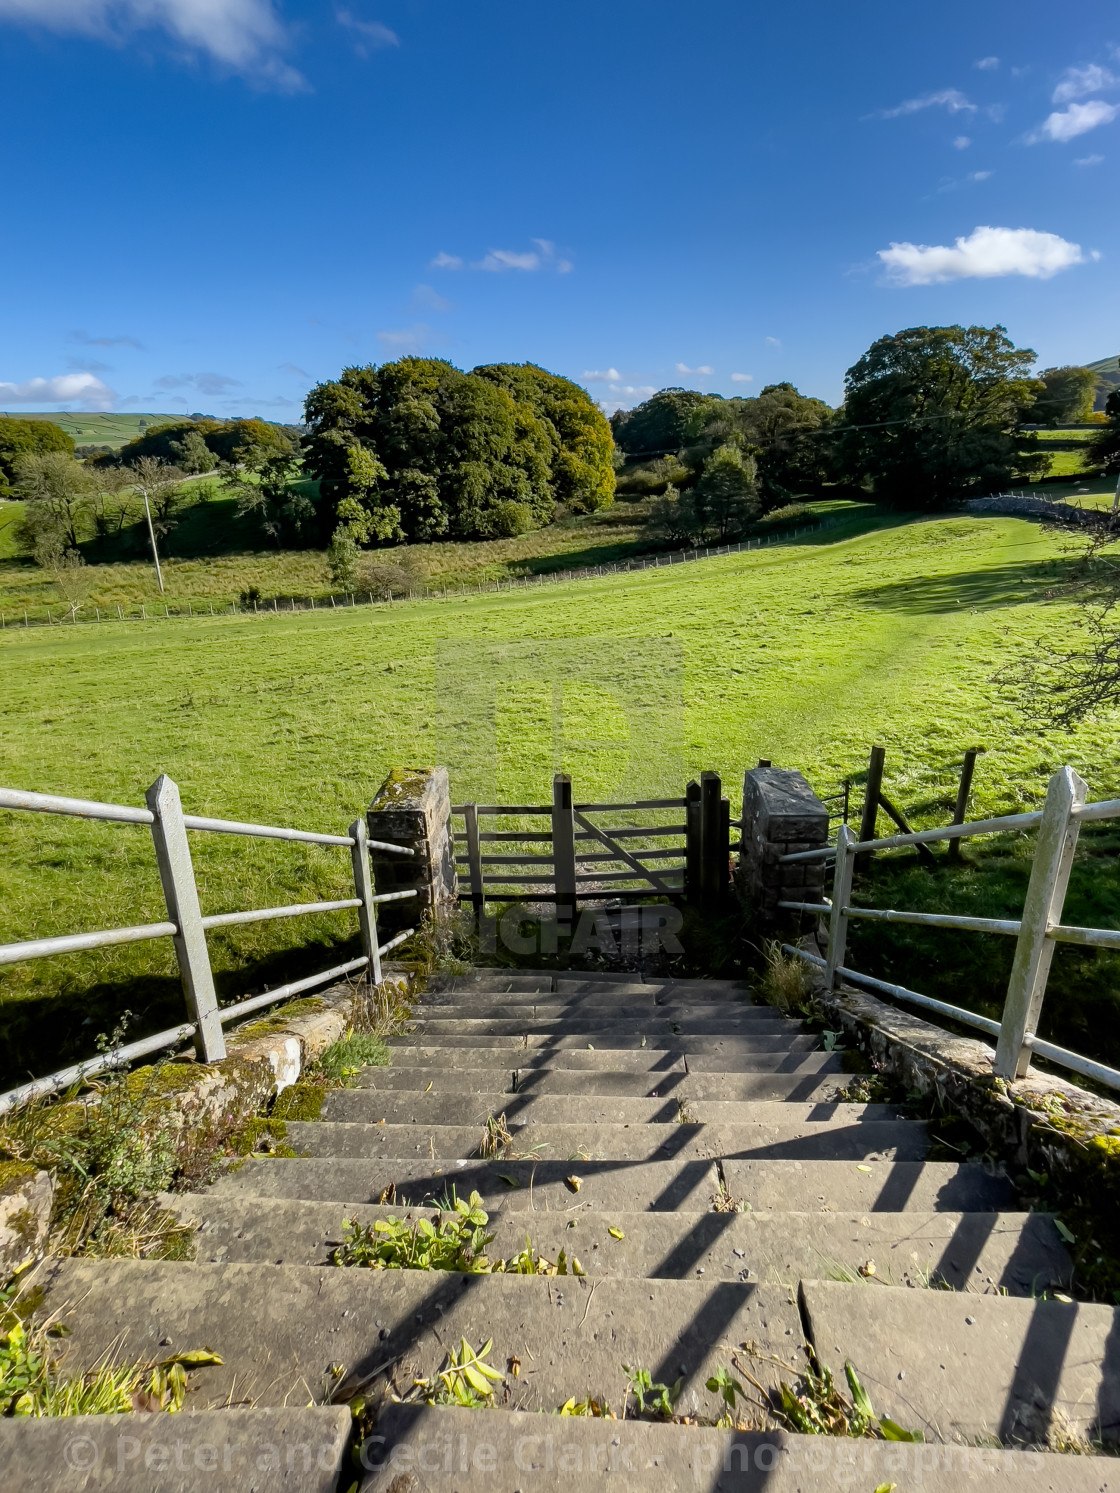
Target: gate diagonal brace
x=623, y=855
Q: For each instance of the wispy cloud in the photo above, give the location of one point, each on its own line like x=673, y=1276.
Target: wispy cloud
x=962, y=142
x=369, y=36
x=83, y=389
x=83, y=339
x=602, y=376
x=987, y=64
x=1078, y=119
x=979, y=175
x=946, y=98
x=428, y=299
x=204, y=383
x=773, y=342
x=88, y=365
x=403, y=340
x=1077, y=82
x=1089, y=160
x=742, y=378
x=542, y=256
x=294, y=370
x=244, y=36
x=984, y=254
x=704, y=370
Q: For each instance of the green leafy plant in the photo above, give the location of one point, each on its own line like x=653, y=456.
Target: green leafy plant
x=343, y=1060
x=656, y=1399
x=455, y=1241
x=466, y=1379
x=812, y=1405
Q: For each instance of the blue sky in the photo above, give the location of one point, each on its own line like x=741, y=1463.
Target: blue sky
x=212, y=204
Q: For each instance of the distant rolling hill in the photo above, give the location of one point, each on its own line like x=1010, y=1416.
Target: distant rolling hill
x=1108, y=371
x=90, y=429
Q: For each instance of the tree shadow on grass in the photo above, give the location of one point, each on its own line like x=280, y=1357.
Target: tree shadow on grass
x=1018, y=584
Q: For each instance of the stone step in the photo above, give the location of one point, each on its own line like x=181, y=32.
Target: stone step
x=739, y=1050
x=901, y=1140
x=303, y=1450
x=677, y=1084
x=289, y=1333
x=507, y=1452
x=972, y=1367
x=415, y=1107
x=486, y=1010
x=748, y=1039
x=633, y=1186
x=746, y=1027
x=466, y=1079
x=478, y=1059
x=1017, y=1252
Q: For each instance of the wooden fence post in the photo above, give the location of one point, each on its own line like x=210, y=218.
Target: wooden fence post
x=871, y=793
x=563, y=846
x=1042, y=909
x=176, y=874
x=712, y=877
x=693, y=844
x=474, y=858
x=363, y=890
x=960, y=812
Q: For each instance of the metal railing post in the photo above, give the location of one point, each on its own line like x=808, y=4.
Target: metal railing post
x=363, y=890
x=841, y=897
x=176, y=873
x=474, y=858
x=563, y=845
x=1042, y=910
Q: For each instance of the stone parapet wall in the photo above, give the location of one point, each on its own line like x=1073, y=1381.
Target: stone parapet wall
x=781, y=815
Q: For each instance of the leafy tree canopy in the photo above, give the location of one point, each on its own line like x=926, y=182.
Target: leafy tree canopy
x=27, y=438
x=667, y=422
x=417, y=449
x=178, y=443
x=1066, y=396
x=1105, y=446
x=932, y=414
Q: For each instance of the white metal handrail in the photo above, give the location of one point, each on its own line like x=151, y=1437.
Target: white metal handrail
x=1036, y=933
x=188, y=927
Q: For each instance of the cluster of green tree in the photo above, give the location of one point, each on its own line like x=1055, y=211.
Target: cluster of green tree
x=21, y=438
x=930, y=414
x=417, y=450
x=1105, y=447
x=196, y=446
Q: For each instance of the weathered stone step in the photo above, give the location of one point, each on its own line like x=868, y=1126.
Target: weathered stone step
x=962, y=1368
x=300, y=1449
x=414, y=1107
x=288, y=1333
x=1017, y=1252
x=901, y=1140
x=678, y=1084
x=477, y=1059
x=598, y=1010
x=500, y=1453
x=464, y=1079
x=431, y=1033
x=716, y=1026
x=542, y=1045
x=632, y=1186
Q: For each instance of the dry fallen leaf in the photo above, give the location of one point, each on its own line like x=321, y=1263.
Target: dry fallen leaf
x=573, y=1184
x=616, y=1233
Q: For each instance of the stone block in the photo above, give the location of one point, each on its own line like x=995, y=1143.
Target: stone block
x=412, y=808
x=26, y=1196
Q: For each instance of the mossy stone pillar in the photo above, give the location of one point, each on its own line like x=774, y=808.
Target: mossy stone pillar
x=413, y=808
x=781, y=814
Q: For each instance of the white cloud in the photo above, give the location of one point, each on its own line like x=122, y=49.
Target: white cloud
x=1078, y=81
x=1088, y=161
x=962, y=142
x=498, y=261
x=773, y=342
x=704, y=370
x=444, y=261
x=84, y=389
x=431, y=300
x=979, y=175
x=370, y=35
x=602, y=376
x=406, y=339
x=625, y=396
x=947, y=98
x=742, y=378
x=1078, y=119
x=205, y=383
x=984, y=254
x=294, y=370
x=245, y=36
x=987, y=64
x=85, y=340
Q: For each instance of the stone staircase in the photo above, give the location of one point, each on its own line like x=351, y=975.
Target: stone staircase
x=687, y=1147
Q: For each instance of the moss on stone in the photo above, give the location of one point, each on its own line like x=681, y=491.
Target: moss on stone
x=13, y=1174
x=270, y=1135
x=272, y=1026
x=300, y=1101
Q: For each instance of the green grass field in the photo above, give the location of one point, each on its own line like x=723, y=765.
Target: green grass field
x=89, y=428
x=878, y=630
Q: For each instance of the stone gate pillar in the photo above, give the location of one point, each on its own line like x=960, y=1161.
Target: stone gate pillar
x=413, y=807
x=781, y=814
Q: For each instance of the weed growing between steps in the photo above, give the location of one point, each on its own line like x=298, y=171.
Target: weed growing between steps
x=810, y=1405
x=33, y=1384
x=337, y=1067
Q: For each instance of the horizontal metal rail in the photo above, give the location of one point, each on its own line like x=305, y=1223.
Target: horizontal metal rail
x=393, y=942
x=1075, y=1062
x=825, y=907
x=282, y=992
x=641, y=803
x=927, y=836
x=78, y=808
x=118, y=1057
x=74, y=943
x=261, y=915
x=937, y=920
x=263, y=831
x=1104, y=808
x=1093, y=938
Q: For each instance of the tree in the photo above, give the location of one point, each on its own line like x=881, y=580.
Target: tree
x=1066, y=397
x=419, y=450
x=932, y=414
x=27, y=438
x=726, y=497
x=59, y=498
x=263, y=474
x=674, y=517
x=663, y=423
x=1104, y=448
x=159, y=485
x=191, y=453
x=342, y=561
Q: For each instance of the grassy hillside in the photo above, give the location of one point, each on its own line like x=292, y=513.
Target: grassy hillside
x=89, y=428
x=887, y=631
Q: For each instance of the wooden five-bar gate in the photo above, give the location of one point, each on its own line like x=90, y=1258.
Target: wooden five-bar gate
x=584, y=854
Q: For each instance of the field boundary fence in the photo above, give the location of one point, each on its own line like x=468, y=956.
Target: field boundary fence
x=72, y=614
x=187, y=926
x=1037, y=932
